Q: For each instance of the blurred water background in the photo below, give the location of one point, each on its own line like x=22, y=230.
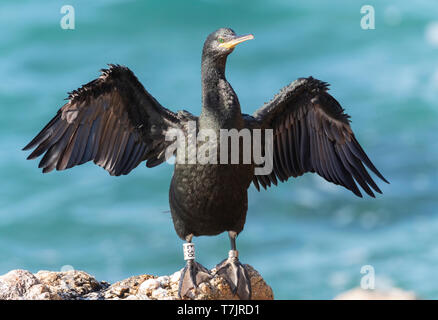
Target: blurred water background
x=307, y=238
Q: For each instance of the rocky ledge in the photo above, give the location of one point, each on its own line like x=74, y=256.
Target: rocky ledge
x=79, y=285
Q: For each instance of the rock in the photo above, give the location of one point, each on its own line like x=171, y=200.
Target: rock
x=69, y=284
x=21, y=284
x=148, y=286
x=378, y=294
x=175, y=277
x=46, y=285
x=122, y=289
x=163, y=280
x=79, y=285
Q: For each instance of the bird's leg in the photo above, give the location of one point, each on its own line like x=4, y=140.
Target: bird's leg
x=193, y=273
x=234, y=272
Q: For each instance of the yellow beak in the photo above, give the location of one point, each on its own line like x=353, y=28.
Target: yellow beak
x=235, y=41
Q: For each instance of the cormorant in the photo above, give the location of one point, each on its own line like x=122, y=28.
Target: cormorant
x=117, y=124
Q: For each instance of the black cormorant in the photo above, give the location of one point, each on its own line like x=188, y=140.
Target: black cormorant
x=117, y=124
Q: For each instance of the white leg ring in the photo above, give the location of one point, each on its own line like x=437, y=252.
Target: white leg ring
x=189, y=251
x=233, y=254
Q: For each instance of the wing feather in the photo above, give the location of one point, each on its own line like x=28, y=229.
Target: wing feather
x=111, y=120
x=313, y=134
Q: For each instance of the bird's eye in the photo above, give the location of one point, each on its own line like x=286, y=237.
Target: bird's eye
x=221, y=40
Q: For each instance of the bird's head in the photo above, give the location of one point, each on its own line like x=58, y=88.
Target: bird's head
x=222, y=42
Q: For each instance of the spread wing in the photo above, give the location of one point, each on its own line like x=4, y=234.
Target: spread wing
x=111, y=120
x=313, y=134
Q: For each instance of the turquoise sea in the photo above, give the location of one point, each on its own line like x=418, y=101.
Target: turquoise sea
x=308, y=239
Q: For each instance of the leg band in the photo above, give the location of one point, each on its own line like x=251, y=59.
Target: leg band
x=233, y=254
x=189, y=251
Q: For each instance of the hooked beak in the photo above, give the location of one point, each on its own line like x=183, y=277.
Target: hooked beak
x=235, y=41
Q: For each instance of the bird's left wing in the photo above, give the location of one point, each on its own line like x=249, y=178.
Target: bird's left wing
x=112, y=121
x=313, y=134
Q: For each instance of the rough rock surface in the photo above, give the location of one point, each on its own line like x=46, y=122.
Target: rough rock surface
x=79, y=285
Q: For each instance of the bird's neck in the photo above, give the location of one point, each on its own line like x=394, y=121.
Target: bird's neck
x=213, y=70
x=219, y=101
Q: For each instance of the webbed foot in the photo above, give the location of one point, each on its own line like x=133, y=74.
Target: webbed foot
x=236, y=275
x=192, y=276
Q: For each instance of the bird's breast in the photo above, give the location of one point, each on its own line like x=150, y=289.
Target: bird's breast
x=209, y=199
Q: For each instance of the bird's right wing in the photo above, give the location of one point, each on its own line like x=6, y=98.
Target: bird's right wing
x=111, y=120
